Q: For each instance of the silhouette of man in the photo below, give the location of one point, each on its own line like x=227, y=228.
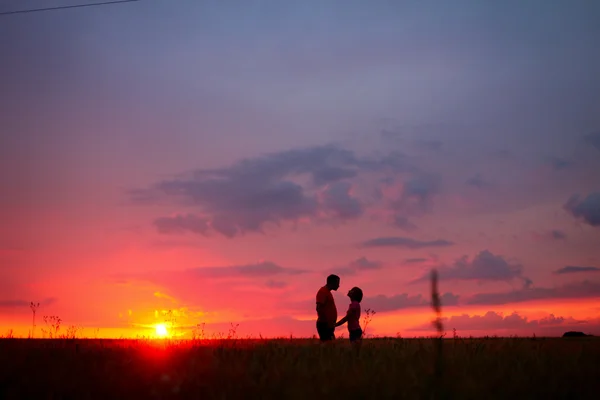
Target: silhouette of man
x=326, y=310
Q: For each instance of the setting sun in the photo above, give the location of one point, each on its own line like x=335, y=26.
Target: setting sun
x=161, y=330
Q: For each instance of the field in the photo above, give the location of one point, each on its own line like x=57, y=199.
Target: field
x=493, y=368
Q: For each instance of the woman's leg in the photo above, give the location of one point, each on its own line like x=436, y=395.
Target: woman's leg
x=355, y=335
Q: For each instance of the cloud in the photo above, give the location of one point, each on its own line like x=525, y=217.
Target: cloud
x=382, y=303
x=332, y=174
x=503, y=154
x=557, y=234
x=259, y=270
x=587, y=209
x=263, y=269
x=284, y=186
x=405, y=134
x=558, y=163
x=396, y=241
x=478, y=182
x=182, y=224
x=276, y=284
x=358, y=265
x=593, y=139
x=165, y=296
x=585, y=289
x=364, y=264
x=417, y=194
x=495, y=321
x=338, y=200
x=402, y=222
x=552, y=235
x=25, y=303
x=485, y=266
x=391, y=135
x=433, y=145
x=415, y=260
x=575, y=269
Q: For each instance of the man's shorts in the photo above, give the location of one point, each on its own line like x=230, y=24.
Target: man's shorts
x=325, y=332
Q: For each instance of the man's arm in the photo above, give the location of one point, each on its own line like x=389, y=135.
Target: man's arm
x=321, y=300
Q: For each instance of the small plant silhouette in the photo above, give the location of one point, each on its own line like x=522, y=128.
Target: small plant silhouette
x=367, y=319
x=52, y=326
x=72, y=332
x=34, y=307
x=198, y=332
x=232, y=334
x=170, y=319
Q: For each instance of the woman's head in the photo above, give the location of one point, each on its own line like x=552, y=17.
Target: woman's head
x=355, y=294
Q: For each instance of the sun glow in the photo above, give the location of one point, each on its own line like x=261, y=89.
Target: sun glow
x=161, y=330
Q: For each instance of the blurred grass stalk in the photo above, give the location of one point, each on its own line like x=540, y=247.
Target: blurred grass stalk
x=436, y=388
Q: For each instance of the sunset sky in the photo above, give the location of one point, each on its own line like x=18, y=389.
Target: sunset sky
x=221, y=158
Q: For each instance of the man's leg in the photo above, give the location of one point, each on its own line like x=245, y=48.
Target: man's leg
x=325, y=332
x=321, y=331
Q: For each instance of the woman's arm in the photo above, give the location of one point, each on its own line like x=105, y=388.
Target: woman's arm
x=342, y=321
x=345, y=319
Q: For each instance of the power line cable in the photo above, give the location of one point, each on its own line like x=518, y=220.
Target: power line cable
x=103, y=3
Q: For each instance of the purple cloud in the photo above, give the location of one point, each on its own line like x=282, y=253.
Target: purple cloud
x=25, y=303
x=557, y=234
x=332, y=174
x=403, y=223
x=432, y=144
x=338, y=201
x=478, y=182
x=276, y=284
x=182, y=224
x=402, y=301
x=485, y=266
x=259, y=270
x=404, y=242
x=497, y=321
x=364, y=264
x=587, y=209
x=358, y=265
x=593, y=139
x=415, y=260
x=558, y=163
x=579, y=290
x=552, y=235
x=284, y=186
x=575, y=269
x=417, y=194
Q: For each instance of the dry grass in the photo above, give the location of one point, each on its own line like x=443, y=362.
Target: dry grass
x=300, y=369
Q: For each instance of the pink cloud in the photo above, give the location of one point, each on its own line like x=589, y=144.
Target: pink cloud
x=494, y=322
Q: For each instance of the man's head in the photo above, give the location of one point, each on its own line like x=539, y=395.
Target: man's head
x=333, y=282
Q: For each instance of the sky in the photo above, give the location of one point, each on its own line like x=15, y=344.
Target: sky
x=220, y=158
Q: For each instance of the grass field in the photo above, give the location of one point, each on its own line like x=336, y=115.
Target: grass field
x=495, y=368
